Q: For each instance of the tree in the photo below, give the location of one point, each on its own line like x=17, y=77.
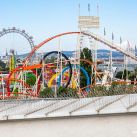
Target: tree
x=66, y=92
x=3, y=66
x=85, y=54
x=61, y=92
x=125, y=75
x=46, y=93
x=133, y=75
x=30, y=78
x=16, y=90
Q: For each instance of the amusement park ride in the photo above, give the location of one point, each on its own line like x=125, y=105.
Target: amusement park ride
x=55, y=69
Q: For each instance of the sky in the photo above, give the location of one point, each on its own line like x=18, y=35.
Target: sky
x=45, y=18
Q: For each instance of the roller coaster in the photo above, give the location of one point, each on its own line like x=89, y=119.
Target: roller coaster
x=56, y=70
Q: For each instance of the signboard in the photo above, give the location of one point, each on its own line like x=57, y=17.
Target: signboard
x=88, y=22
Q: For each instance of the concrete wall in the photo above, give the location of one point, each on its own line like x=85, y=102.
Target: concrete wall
x=102, y=126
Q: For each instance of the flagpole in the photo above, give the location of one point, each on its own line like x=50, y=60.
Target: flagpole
x=79, y=9
x=78, y=47
x=97, y=10
x=135, y=49
x=111, y=58
x=120, y=40
x=89, y=9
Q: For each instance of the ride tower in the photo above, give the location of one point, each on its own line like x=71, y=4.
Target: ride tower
x=12, y=60
x=89, y=24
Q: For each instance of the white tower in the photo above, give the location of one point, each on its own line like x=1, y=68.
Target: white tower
x=88, y=24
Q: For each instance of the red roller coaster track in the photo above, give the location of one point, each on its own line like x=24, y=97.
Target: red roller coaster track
x=96, y=37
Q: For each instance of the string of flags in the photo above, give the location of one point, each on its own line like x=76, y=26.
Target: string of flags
x=120, y=40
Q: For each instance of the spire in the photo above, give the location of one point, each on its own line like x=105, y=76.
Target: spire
x=112, y=36
x=120, y=40
x=104, y=31
x=135, y=50
x=6, y=53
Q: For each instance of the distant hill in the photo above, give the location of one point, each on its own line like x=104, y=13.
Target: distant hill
x=105, y=54
x=67, y=53
x=101, y=53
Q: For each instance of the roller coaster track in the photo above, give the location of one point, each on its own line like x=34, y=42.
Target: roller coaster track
x=110, y=44
x=92, y=35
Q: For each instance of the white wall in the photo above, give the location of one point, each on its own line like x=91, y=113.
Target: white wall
x=103, y=126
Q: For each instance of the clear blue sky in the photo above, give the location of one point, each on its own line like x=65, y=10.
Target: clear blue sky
x=44, y=18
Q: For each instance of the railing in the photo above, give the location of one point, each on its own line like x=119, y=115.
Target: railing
x=47, y=107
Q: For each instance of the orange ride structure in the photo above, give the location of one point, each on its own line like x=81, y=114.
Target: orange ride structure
x=29, y=79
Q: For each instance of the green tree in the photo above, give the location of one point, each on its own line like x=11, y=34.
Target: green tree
x=125, y=75
x=16, y=90
x=30, y=78
x=66, y=92
x=85, y=54
x=46, y=93
x=133, y=75
x=2, y=64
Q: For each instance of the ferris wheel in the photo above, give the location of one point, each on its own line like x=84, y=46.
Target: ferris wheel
x=18, y=31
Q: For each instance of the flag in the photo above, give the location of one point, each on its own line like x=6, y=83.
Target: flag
x=135, y=50
x=104, y=32
x=89, y=8
x=97, y=7
x=112, y=36
x=79, y=6
x=97, y=10
x=120, y=40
